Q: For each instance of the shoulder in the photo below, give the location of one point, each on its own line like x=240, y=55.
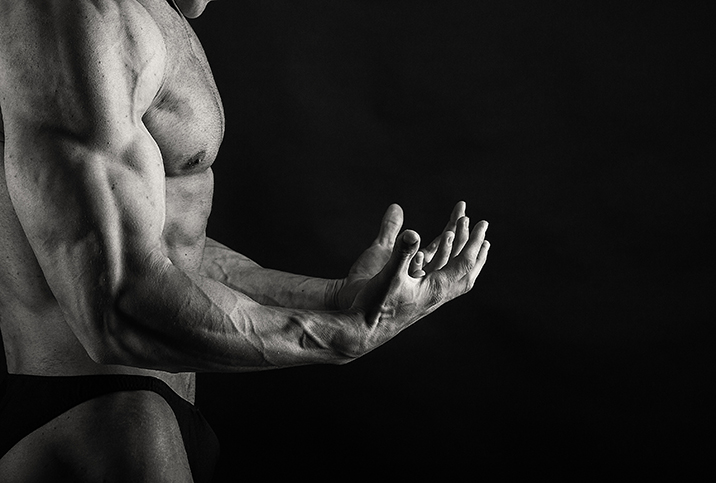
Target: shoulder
x=66, y=60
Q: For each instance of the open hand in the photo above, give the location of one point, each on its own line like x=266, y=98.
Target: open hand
x=433, y=257
x=372, y=260
x=413, y=283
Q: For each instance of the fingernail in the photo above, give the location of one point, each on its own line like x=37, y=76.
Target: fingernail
x=411, y=238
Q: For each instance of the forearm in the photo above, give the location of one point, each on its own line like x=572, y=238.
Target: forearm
x=266, y=286
x=177, y=322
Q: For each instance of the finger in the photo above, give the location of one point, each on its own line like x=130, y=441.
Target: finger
x=467, y=265
x=430, y=250
x=458, y=212
x=406, y=246
x=390, y=226
x=482, y=255
x=474, y=244
x=479, y=263
x=443, y=253
x=462, y=234
x=418, y=274
x=416, y=265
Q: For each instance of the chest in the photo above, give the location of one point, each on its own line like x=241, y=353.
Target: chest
x=186, y=118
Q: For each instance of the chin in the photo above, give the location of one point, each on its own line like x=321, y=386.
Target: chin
x=192, y=8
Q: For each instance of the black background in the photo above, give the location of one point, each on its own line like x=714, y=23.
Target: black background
x=578, y=129
x=581, y=130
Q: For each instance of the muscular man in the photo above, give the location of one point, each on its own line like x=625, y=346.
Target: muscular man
x=111, y=296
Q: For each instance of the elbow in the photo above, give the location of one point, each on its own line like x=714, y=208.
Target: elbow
x=111, y=345
x=119, y=334
x=137, y=323
x=102, y=354
x=112, y=309
x=126, y=336
x=105, y=353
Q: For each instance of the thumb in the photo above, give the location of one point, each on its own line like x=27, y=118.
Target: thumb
x=390, y=225
x=406, y=246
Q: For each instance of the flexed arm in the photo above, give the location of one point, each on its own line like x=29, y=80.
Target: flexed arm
x=88, y=185
x=87, y=182
x=267, y=286
x=273, y=287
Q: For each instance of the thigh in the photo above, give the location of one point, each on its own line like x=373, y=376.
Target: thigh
x=123, y=436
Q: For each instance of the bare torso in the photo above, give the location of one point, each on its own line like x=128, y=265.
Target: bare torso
x=186, y=120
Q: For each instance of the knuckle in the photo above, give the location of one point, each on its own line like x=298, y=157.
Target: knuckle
x=465, y=266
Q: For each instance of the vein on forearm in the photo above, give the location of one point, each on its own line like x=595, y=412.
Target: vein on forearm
x=266, y=286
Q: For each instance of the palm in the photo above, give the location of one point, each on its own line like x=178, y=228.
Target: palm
x=374, y=258
x=368, y=265
x=415, y=282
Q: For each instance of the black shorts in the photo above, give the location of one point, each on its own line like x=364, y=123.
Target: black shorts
x=29, y=402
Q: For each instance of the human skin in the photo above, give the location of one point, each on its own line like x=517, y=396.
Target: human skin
x=105, y=192
x=192, y=8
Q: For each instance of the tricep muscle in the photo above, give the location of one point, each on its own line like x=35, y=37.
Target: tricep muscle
x=84, y=175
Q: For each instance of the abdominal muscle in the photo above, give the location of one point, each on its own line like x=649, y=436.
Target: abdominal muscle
x=37, y=339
